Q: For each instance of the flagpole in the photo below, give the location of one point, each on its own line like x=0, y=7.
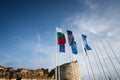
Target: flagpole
x=95, y=51
x=85, y=51
x=104, y=62
x=74, y=76
x=111, y=60
x=56, y=70
x=59, y=65
x=85, y=61
x=73, y=66
x=97, y=64
x=99, y=60
x=70, y=36
x=91, y=67
x=113, y=52
x=72, y=63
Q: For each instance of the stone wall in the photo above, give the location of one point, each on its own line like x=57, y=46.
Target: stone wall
x=39, y=74
x=69, y=71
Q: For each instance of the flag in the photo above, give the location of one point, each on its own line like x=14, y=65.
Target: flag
x=70, y=37
x=86, y=46
x=61, y=39
x=60, y=36
x=62, y=48
x=71, y=41
x=74, y=48
x=84, y=37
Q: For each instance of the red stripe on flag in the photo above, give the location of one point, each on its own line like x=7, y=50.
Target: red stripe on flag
x=61, y=40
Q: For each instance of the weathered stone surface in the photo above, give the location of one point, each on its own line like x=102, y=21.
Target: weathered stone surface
x=68, y=71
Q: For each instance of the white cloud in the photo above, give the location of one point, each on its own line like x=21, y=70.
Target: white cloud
x=99, y=23
x=91, y=3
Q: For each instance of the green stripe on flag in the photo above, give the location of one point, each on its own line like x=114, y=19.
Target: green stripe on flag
x=60, y=35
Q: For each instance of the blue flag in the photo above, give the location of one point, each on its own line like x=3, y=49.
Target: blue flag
x=70, y=37
x=74, y=48
x=84, y=37
x=87, y=47
x=62, y=48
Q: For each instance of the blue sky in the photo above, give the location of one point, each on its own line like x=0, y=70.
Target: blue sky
x=27, y=29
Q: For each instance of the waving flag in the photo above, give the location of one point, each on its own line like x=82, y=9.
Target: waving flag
x=74, y=48
x=84, y=37
x=70, y=37
x=86, y=46
x=62, y=48
x=71, y=41
x=61, y=39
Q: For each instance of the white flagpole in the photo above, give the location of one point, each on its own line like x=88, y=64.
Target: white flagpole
x=56, y=70
x=90, y=64
x=74, y=76
x=58, y=60
x=71, y=61
x=59, y=65
x=85, y=60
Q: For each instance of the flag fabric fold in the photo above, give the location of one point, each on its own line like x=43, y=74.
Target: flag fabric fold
x=61, y=40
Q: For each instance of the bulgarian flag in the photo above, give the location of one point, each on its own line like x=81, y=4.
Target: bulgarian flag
x=60, y=36
x=61, y=39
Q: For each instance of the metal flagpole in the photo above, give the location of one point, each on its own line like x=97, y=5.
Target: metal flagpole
x=113, y=52
x=72, y=63
x=110, y=60
x=97, y=64
x=56, y=69
x=85, y=61
x=99, y=61
x=104, y=62
x=59, y=66
x=89, y=63
x=73, y=67
x=71, y=60
x=91, y=67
